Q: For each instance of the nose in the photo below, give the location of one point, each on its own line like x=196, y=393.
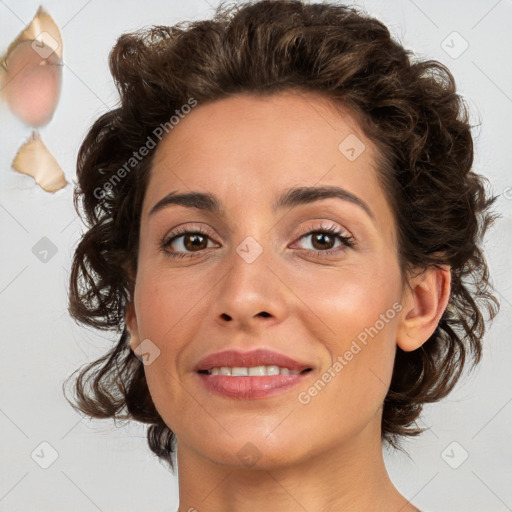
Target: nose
x=250, y=293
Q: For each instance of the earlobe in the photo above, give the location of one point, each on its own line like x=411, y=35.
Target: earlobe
x=423, y=306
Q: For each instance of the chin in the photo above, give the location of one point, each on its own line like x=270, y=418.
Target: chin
x=252, y=448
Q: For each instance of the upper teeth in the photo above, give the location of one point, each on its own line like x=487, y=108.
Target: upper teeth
x=238, y=371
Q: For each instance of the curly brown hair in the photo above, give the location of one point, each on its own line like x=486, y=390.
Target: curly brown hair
x=408, y=107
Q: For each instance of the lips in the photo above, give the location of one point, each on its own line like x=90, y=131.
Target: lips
x=259, y=357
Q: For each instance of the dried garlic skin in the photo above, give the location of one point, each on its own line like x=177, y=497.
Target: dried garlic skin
x=42, y=28
x=31, y=85
x=34, y=158
x=31, y=71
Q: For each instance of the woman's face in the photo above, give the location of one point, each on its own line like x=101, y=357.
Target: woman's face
x=330, y=305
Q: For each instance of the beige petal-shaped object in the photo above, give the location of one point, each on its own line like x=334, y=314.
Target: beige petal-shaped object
x=43, y=29
x=34, y=158
x=32, y=71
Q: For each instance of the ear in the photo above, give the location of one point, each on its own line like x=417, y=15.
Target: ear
x=424, y=303
x=132, y=325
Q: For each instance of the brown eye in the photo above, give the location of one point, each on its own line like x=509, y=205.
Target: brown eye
x=322, y=240
x=194, y=241
x=184, y=243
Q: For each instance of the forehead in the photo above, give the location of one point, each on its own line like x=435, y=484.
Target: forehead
x=246, y=149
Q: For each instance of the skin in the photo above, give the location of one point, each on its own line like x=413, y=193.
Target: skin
x=325, y=455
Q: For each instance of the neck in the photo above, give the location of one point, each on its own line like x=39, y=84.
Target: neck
x=351, y=477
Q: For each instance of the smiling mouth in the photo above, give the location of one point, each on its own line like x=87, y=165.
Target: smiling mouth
x=263, y=381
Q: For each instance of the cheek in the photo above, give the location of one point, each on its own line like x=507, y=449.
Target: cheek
x=169, y=302
x=340, y=304
x=353, y=315
x=170, y=309
x=358, y=348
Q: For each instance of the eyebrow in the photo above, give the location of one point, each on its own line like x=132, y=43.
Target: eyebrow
x=289, y=199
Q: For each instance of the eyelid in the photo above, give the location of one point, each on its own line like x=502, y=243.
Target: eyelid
x=321, y=227
x=186, y=228
x=180, y=231
x=346, y=238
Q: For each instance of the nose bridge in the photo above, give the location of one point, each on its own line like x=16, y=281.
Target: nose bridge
x=252, y=236
x=248, y=266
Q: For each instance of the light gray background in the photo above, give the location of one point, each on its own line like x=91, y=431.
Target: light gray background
x=101, y=467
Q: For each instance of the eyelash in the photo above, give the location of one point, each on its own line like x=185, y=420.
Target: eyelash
x=347, y=241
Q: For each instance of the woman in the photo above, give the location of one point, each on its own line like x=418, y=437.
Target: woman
x=284, y=227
